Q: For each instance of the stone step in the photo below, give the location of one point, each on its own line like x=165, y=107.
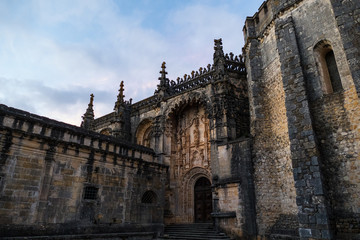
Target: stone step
x=282, y=237
x=197, y=235
x=192, y=238
x=95, y=236
x=193, y=232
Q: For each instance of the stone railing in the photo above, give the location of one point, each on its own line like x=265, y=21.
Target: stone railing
x=196, y=79
x=235, y=63
x=13, y=119
x=146, y=102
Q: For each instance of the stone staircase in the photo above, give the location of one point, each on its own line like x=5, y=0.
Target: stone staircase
x=196, y=231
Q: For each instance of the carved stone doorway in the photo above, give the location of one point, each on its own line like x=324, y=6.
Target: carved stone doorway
x=203, y=200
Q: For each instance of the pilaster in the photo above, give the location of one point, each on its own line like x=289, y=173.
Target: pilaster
x=313, y=211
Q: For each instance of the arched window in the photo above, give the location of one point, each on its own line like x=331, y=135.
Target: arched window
x=106, y=131
x=149, y=197
x=326, y=62
x=144, y=133
x=147, y=137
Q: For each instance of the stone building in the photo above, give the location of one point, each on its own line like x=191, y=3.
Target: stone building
x=264, y=144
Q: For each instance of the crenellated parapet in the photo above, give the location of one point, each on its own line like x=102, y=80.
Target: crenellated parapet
x=222, y=63
x=256, y=25
x=205, y=75
x=153, y=100
x=18, y=121
x=196, y=79
x=235, y=63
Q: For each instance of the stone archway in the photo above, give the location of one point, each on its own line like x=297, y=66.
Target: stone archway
x=187, y=144
x=188, y=194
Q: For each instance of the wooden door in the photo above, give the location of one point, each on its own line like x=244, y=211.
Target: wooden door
x=203, y=200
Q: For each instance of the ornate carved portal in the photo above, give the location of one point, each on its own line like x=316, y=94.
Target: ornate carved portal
x=189, y=161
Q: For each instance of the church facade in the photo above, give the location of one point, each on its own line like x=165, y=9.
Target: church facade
x=264, y=145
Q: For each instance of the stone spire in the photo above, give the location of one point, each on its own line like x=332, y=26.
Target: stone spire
x=120, y=98
x=121, y=121
x=88, y=116
x=163, y=87
x=219, y=58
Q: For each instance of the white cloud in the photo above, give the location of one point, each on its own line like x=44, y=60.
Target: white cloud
x=52, y=50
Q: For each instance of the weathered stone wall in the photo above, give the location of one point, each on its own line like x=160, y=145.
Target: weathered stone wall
x=281, y=153
x=46, y=166
x=336, y=123
x=336, y=115
x=347, y=15
x=234, y=196
x=308, y=23
x=322, y=129
x=274, y=184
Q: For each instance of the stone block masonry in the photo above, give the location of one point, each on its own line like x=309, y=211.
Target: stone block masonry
x=347, y=15
x=57, y=178
x=273, y=178
x=265, y=144
x=321, y=127
x=305, y=157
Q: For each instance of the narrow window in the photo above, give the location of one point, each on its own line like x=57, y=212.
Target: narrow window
x=265, y=8
x=90, y=193
x=333, y=71
x=149, y=197
x=328, y=70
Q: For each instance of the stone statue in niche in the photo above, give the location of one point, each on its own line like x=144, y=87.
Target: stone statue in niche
x=191, y=147
x=196, y=136
x=196, y=159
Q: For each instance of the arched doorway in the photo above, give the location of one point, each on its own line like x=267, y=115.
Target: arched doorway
x=202, y=200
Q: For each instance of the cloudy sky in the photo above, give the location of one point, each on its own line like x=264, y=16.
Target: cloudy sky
x=53, y=54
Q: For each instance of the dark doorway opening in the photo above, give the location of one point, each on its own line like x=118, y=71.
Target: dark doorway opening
x=203, y=200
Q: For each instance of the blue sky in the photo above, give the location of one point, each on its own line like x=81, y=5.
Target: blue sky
x=53, y=54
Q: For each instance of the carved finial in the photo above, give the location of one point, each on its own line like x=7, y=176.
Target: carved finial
x=219, y=57
x=193, y=74
x=231, y=56
x=121, y=92
x=91, y=99
x=88, y=116
x=163, y=72
x=218, y=44
x=201, y=70
x=120, y=97
x=163, y=87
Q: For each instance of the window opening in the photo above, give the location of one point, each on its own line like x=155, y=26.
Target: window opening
x=326, y=61
x=333, y=71
x=149, y=197
x=90, y=193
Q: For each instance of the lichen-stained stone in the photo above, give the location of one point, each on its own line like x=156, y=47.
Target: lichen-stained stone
x=265, y=145
x=46, y=179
